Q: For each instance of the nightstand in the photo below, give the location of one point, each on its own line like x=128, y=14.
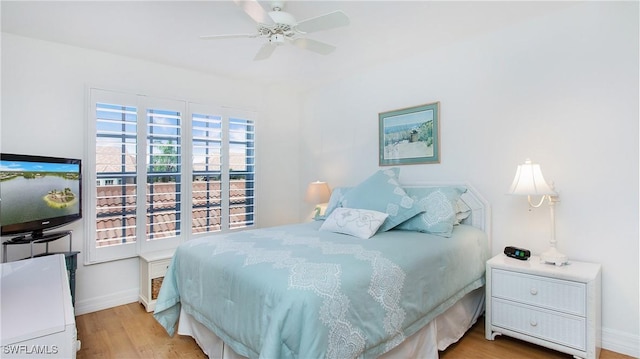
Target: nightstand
x=558, y=307
x=153, y=267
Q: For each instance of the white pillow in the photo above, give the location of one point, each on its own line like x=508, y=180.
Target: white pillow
x=361, y=223
x=463, y=211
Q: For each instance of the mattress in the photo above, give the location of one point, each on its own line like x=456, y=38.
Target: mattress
x=293, y=291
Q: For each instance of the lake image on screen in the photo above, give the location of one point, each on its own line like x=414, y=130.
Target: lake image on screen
x=23, y=199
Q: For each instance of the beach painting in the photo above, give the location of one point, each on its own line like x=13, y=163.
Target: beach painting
x=410, y=135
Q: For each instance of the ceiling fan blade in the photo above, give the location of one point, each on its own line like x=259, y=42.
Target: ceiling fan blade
x=323, y=22
x=313, y=45
x=254, y=10
x=228, y=36
x=265, y=51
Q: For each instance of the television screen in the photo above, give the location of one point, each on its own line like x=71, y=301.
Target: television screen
x=38, y=193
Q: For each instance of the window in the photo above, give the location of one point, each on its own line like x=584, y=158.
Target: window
x=206, y=191
x=141, y=151
x=163, y=185
x=115, y=167
x=223, y=170
x=241, y=172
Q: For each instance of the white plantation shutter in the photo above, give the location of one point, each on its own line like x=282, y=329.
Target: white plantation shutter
x=111, y=179
x=207, y=173
x=115, y=167
x=164, y=188
x=241, y=172
x=223, y=164
x=162, y=166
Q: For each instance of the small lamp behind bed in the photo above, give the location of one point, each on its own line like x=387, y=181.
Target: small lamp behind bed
x=530, y=182
x=317, y=193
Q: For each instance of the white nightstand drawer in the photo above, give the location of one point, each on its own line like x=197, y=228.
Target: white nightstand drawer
x=556, y=294
x=563, y=329
x=159, y=268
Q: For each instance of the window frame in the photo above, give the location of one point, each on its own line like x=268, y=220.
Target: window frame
x=95, y=254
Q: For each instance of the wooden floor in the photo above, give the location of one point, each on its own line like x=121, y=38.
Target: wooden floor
x=128, y=331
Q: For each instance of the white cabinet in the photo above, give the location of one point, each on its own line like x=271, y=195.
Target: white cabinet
x=37, y=318
x=153, y=267
x=558, y=307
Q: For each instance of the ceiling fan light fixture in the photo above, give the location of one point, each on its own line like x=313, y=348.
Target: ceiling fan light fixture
x=277, y=39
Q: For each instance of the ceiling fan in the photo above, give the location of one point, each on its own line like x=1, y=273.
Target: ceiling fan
x=280, y=27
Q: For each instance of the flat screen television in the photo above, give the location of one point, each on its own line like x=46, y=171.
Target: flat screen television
x=38, y=193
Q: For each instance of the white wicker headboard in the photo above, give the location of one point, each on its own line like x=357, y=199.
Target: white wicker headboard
x=480, y=210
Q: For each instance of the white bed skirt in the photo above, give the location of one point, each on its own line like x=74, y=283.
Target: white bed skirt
x=441, y=332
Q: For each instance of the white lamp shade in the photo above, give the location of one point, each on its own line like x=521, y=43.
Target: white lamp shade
x=529, y=181
x=317, y=192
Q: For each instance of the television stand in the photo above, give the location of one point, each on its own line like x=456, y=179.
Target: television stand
x=30, y=239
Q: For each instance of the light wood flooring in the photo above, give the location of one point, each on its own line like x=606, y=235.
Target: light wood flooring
x=128, y=331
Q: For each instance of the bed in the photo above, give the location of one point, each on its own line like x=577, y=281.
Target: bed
x=309, y=290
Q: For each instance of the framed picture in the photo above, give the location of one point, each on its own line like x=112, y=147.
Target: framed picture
x=410, y=135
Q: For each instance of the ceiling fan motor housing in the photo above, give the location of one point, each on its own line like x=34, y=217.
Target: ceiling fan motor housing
x=281, y=17
x=277, y=5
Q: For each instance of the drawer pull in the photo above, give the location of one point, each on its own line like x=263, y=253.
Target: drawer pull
x=533, y=323
x=533, y=291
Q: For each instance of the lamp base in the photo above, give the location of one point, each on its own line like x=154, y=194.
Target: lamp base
x=318, y=212
x=554, y=257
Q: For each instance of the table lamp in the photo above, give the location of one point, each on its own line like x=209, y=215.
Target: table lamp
x=530, y=182
x=317, y=192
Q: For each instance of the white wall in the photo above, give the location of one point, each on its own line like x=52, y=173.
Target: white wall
x=43, y=112
x=562, y=90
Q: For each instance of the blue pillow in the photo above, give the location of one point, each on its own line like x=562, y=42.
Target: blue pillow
x=334, y=201
x=383, y=193
x=439, y=206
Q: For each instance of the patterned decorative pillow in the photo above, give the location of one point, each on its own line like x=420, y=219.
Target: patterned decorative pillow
x=361, y=223
x=383, y=193
x=334, y=201
x=439, y=205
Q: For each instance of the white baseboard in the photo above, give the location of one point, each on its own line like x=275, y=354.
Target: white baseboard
x=621, y=342
x=106, y=302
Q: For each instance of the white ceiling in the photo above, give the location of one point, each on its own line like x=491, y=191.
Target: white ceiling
x=168, y=32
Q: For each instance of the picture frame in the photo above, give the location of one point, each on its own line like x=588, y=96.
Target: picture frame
x=410, y=135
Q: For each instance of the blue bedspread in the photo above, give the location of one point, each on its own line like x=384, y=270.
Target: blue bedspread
x=296, y=292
